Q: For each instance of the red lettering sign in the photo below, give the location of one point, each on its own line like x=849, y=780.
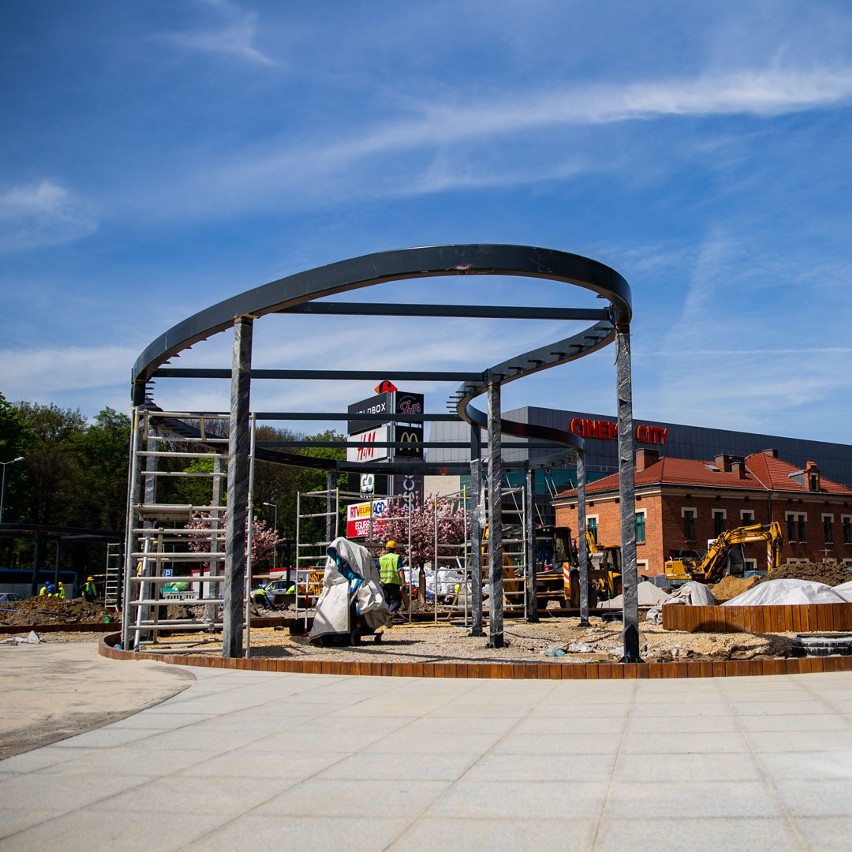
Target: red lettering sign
x=607, y=430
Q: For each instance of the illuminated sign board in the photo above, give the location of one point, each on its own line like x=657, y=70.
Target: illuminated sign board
x=607, y=430
x=359, y=520
x=412, y=437
x=364, y=448
x=380, y=405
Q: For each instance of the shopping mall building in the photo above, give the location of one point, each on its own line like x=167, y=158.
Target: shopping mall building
x=692, y=482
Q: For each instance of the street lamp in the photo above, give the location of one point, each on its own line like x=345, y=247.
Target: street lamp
x=3, y=486
x=275, y=516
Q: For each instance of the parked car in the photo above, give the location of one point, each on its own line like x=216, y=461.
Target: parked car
x=9, y=597
x=281, y=591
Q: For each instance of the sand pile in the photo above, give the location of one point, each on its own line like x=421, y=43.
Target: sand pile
x=729, y=587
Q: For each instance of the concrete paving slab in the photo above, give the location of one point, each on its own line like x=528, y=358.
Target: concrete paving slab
x=243, y=759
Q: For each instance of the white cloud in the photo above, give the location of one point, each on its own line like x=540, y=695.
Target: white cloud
x=234, y=38
x=444, y=146
x=41, y=214
x=43, y=374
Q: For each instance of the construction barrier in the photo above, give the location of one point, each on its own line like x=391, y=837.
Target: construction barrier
x=779, y=618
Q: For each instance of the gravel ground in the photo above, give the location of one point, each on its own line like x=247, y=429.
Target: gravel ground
x=560, y=640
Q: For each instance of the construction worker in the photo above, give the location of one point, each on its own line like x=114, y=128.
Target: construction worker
x=391, y=577
x=60, y=591
x=90, y=590
x=261, y=597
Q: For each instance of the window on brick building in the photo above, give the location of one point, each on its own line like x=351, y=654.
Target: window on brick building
x=592, y=527
x=746, y=517
x=847, y=528
x=640, y=527
x=718, y=522
x=796, y=527
x=689, y=524
x=828, y=528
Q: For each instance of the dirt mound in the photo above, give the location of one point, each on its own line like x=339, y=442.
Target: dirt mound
x=829, y=573
x=44, y=610
x=729, y=587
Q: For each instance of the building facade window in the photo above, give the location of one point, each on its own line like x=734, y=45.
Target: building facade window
x=688, y=524
x=846, y=521
x=828, y=529
x=592, y=527
x=718, y=522
x=796, y=526
x=746, y=517
x=640, y=527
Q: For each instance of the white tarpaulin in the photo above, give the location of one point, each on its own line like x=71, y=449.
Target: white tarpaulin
x=845, y=591
x=360, y=587
x=648, y=594
x=692, y=593
x=787, y=592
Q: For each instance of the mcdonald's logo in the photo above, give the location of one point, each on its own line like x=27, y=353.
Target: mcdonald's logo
x=412, y=436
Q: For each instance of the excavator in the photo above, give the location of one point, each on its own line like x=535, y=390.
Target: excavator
x=562, y=583
x=711, y=567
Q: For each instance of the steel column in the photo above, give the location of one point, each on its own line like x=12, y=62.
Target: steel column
x=477, y=511
x=529, y=527
x=238, y=476
x=627, y=490
x=582, y=548
x=495, y=517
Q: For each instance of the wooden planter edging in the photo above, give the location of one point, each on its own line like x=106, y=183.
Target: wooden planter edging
x=519, y=671
x=785, y=618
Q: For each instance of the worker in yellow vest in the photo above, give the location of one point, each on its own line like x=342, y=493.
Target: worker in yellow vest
x=391, y=576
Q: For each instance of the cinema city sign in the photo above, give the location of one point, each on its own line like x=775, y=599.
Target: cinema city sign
x=608, y=430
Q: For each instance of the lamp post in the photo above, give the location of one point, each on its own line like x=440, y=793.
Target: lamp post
x=275, y=516
x=3, y=486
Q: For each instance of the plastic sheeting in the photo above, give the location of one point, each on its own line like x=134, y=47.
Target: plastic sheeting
x=362, y=588
x=845, y=591
x=692, y=593
x=648, y=593
x=778, y=592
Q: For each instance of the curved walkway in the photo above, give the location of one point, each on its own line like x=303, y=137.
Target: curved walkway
x=247, y=758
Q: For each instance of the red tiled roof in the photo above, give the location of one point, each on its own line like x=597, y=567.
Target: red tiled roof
x=762, y=471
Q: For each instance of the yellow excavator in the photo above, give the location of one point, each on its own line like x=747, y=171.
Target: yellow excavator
x=711, y=567
x=561, y=580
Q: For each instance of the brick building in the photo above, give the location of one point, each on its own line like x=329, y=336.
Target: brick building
x=683, y=503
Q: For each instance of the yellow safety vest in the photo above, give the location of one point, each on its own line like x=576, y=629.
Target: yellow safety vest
x=389, y=568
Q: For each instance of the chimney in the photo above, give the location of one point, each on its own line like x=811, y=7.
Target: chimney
x=773, y=454
x=738, y=468
x=723, y=462
x=812, y=476
x=645, y=458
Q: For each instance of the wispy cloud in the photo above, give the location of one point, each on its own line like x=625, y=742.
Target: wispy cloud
x=43, y=374
x=458, y=145
x=234, y=37
x=41, y=214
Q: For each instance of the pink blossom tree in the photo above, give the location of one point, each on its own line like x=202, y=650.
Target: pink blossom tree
x=263, y=538
x=450, y=517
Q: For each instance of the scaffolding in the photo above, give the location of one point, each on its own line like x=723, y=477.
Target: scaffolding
x=174, y=552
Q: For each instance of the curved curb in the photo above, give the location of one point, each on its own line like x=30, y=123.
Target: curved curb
x=497, y=671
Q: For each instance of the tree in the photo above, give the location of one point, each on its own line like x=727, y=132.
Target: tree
x=263, y=538
x=450, y=517
x=103, y=453
x=52, y=464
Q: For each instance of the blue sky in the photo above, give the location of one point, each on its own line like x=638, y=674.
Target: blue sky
x=157, y=157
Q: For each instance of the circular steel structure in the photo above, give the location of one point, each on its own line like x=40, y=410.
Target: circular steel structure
x=304, y=292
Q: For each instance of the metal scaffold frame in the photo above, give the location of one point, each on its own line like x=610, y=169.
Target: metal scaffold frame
x=307, y=293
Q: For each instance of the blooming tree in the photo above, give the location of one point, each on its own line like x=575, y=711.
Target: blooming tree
x=449, y=514
x=263, y=538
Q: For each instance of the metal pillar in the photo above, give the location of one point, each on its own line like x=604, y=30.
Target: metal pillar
x=582, y=549
x=330, y=522
x=495, y=518
x=627, y=490
x=477, y=509
x=238, y=476
x=134, y=490
x=529, y=527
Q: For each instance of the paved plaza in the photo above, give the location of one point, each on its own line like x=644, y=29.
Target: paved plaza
x=248, y=760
